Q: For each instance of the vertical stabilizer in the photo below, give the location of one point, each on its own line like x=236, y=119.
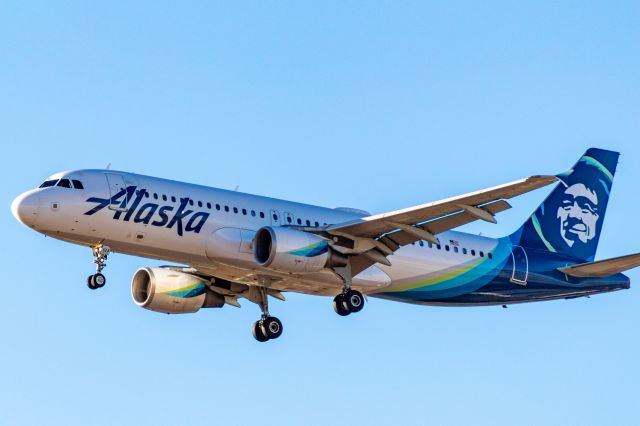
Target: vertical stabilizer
x=569, y=221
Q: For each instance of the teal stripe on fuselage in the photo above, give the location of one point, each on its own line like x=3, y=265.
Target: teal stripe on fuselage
x=466, y=282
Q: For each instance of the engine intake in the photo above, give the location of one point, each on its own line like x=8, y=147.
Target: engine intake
x=290, y=250
x=172, y=292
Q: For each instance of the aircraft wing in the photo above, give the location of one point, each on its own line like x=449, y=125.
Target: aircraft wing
x=378, y=236
x=603, y=268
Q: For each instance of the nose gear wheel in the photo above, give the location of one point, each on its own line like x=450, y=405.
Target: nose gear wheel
x=100, y=254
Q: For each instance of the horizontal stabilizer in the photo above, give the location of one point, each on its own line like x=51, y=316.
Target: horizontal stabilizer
x=603, y=268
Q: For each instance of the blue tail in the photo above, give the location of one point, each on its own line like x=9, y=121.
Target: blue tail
x=569, y=221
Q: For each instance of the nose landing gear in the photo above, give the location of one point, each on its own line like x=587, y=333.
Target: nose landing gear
x=98, y=280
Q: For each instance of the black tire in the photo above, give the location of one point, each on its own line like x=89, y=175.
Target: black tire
x=272, y=327
x=257, y=332
x=90, y=283
x=354, y=301
x=339, y=307
x=99, y=280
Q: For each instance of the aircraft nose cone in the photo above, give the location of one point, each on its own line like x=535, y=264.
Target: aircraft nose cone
x=25, y=208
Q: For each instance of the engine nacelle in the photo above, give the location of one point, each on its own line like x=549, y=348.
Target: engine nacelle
x=290, y=250
x=172, y=292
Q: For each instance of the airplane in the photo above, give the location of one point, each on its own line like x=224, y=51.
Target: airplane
x=226, y=245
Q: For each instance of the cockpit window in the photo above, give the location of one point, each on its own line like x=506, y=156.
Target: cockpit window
x=77, y=184
x=64, y=183
x=48, y=183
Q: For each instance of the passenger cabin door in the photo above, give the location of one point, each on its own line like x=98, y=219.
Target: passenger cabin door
x=520, y=266
x=116, y=185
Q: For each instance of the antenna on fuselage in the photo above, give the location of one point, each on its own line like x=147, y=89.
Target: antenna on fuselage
x=108, y=167
x=237, y=187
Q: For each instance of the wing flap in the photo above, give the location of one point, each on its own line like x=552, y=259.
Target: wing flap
x=444, y=210
x=603, y=268
x=439, y=225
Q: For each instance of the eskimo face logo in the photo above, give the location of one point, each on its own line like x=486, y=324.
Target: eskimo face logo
x=578, y=214
x=129, y=209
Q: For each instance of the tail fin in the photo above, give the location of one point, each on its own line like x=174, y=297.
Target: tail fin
x=569, y=221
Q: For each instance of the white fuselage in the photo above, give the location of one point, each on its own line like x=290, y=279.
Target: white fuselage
x=214, y=229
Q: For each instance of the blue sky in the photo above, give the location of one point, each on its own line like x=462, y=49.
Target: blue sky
x=376, y=105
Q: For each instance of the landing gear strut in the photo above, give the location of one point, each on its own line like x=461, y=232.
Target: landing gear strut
x=349, y=301
x=267, y=327
x=98, y=280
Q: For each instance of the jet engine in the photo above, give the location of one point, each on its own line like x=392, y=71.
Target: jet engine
x=172, y=292
x=290, y=250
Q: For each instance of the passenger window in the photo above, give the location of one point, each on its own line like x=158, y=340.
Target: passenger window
x=490, y=256
x=299, y=221
x=421, y=243
x=77, y=184
x=262, y=215
x=64, y=183
x=317, y=224
x=209, y=206
x=164, y=197
x=199, y=203
x=253, y=213
x=173, y=199
x=244, y=212
x=455, y=249
x=146, y=194
x=446, y=247
x=235, y=210
x=464, y=251
x=226, y=209
x=155, y=196
x=308, y=222
x=481, y=254
x=473, y=252
x=275, y=217
x=191, y=202
x=289, y=219
x=217, y=206
x=439, y=246
x=430, y=245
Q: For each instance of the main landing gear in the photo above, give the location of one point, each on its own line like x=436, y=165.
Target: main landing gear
x=267, y=327
x=98, y=280
x=349, y=301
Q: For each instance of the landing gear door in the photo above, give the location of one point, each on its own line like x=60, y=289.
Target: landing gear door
x=117, y=192
x=520, y=266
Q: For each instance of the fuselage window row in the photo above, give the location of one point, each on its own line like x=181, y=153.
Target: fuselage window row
x=218, y=207
x=456, y=249
x=208, y=205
